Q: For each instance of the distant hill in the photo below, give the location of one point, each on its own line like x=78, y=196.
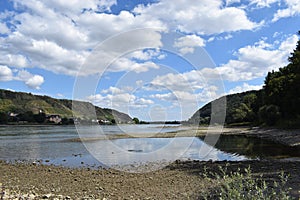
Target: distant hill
x=240, y=108
x=20, y=102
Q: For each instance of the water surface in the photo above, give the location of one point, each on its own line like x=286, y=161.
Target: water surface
x=54, y=145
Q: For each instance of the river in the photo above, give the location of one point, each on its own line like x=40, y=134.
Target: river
x=59, y=145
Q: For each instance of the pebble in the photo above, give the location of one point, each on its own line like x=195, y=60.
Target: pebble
x=31, y=196
x=46, y=196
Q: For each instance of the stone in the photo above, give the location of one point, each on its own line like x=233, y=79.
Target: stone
x=46, y=196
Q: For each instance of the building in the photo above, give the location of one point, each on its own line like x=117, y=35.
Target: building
x=56, y=119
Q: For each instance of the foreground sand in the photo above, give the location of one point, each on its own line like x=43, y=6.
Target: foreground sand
x=180, y=180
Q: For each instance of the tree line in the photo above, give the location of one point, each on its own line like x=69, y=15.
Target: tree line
x=278, y=103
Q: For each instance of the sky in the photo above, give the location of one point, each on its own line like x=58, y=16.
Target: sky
x=156, y=60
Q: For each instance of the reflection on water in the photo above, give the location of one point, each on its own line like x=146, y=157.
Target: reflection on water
x=54, y=143
x=255, y=148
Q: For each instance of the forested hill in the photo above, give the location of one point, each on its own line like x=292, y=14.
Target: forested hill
x=26, y=103
x=240, y=108
x=277, y=104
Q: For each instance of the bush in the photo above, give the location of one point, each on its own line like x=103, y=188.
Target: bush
x=242, y=185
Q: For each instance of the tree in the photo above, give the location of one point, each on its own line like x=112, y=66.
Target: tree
x=282, y=88
x=3, y=118
x=269, y=114
x=40, y=118
x=27, y=116
x=136, y=120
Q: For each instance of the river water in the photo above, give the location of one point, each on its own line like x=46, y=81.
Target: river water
x=59, y=145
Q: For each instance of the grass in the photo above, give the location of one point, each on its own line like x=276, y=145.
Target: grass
x=244, y=185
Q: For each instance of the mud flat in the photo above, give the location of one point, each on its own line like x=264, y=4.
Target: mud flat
x=179, y=180
x=286, y=137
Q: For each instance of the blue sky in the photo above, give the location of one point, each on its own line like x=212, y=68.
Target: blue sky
x=192, y=51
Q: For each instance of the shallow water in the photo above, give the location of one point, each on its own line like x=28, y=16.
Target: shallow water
x=54, y=145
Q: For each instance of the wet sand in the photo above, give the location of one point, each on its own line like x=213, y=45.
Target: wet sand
x=286, y=137
x=180, y=180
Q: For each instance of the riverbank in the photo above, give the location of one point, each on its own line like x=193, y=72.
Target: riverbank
x=286, y=137
x=289, y=137
x=180, y=180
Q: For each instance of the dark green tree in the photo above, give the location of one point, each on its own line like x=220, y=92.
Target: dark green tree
x=136, y=120
x=40, y=118
x=3, y=118
x=269, y=114
x=282, y=88
x=27, y=116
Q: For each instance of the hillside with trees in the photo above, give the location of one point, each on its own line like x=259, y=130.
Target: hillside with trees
x=20, y=106
x=277, y=104
x=241, y=108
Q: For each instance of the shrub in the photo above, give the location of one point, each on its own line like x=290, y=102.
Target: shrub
x=242, y=185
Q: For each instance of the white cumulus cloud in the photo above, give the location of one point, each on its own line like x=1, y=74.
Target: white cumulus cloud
x=6, y=73
x=31, y=80
x=254, y=61
x=200, y=16
x=292, y=9
x=187, y=44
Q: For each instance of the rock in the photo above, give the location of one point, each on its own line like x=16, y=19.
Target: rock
x=67, y=197
x=31, y=196
x=46, y=196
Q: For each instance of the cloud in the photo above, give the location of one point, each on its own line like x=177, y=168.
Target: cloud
x=6, y=73
x=144, y=55
x=142, y=101
x=124, y=64
x=254, y=61
x=4, y=29
x=31, y=80
x=292, y=9
x=164, y=97
x=202, y=17
x=187, y=44
x=35, y=81
x=121, y=99
x=58, y=35
x=263, y=3
x=112, y=90
x=229, y=2
x=13, y=60
x=190, y=80
x=245, y=87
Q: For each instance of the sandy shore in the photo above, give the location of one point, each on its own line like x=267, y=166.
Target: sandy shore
x=286, y=137
x=180, y=180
